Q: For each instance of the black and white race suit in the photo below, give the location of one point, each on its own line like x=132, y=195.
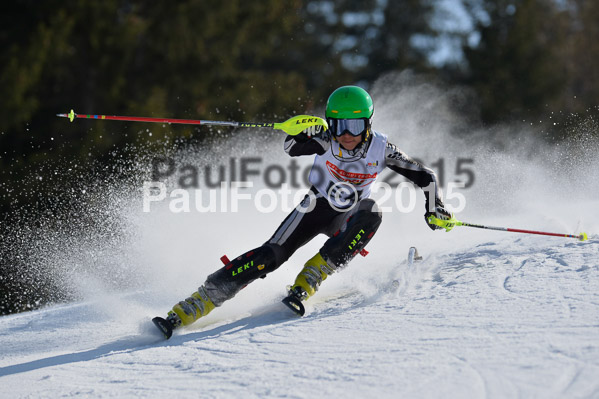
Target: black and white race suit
x=338, y=205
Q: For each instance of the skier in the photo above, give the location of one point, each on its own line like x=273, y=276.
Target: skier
x=349, y=158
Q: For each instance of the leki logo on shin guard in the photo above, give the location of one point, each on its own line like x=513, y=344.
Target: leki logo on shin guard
x=356, y=239
x=243, y=268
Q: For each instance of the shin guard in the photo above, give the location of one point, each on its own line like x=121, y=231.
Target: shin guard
x=359, y=228
x=226, y=282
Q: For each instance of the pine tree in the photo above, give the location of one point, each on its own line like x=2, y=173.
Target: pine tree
x=513, y=68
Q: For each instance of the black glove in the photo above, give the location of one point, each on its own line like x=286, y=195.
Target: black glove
x=440, y=213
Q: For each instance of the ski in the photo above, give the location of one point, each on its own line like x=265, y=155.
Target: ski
x=294, y=304
x=164, y=326
x=413, y=256
x=294, y=300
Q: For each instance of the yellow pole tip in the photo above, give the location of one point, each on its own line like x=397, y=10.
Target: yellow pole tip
x=583, y=237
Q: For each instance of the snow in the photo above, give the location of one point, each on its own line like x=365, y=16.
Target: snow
x=518, y=317
x=483, y=314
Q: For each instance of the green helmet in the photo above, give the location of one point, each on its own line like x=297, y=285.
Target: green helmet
x=349, y=102
x=346, y=104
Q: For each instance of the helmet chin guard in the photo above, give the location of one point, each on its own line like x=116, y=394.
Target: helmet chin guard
x=342, y=154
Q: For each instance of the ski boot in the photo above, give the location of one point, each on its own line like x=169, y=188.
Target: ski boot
x=315, y=271
x=185, y=312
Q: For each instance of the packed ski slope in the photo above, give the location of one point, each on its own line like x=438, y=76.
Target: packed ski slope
x=516, y=317
x=483, y=314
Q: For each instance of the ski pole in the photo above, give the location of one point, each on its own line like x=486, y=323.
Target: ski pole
x=292, y=126
x=451, y=223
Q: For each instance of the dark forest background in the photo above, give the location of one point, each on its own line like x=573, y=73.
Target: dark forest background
x=523, y=60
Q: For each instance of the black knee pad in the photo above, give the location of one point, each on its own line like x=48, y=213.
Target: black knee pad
x=226, y=282
x=351, y=239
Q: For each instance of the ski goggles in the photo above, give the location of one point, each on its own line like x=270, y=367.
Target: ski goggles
x=355, y=127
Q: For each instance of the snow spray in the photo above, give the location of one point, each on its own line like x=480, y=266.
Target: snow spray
x=102, y=244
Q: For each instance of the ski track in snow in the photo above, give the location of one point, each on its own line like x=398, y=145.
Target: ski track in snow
x=512, y=318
